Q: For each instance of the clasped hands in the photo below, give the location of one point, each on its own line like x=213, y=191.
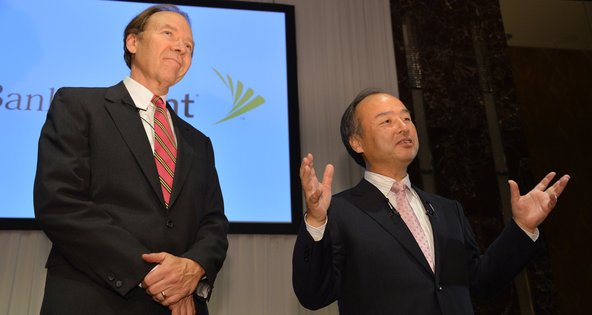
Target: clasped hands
x=173, y=281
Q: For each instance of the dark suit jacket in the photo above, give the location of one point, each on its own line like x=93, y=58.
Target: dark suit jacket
x=369, y=261
x=97, y=197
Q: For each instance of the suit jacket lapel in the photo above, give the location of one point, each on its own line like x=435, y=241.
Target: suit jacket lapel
x=125, y=116
x=185, y=154
x=368, y=198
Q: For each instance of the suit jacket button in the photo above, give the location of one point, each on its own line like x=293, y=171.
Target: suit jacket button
x=111, y=277
x=170, y=224
x=118, y=283
x=440, y=288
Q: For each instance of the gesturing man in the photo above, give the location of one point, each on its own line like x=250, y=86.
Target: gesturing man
x=387, y=247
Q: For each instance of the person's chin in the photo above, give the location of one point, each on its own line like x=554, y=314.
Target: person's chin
x=171, y=80
x=407, y=157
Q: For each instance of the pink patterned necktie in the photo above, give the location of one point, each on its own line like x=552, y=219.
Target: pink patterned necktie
x=165, y=149
x=410, y=219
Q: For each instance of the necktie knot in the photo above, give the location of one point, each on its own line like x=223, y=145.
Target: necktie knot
x=157, y=101
x=398, y=187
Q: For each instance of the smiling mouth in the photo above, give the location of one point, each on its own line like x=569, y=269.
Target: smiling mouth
x=405, y=141
x=173, y=60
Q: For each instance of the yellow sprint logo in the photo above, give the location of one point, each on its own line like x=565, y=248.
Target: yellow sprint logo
x=242, y=102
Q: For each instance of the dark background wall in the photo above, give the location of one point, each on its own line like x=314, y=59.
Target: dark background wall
x=453, y=63
x=554, y=92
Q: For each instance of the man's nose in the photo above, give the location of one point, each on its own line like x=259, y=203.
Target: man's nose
x=402, y=125
x=180, y=47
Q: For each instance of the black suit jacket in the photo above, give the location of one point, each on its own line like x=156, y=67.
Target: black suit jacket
x=369, y=261
x=97, y=197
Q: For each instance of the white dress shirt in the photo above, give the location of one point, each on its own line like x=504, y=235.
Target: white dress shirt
x=142, y=98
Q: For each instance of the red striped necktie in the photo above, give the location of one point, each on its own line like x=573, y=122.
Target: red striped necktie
x=165, y=149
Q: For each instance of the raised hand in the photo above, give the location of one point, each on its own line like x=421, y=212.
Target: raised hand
x=317, y=194
x=531, y=209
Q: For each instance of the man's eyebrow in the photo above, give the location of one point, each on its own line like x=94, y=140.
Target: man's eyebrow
x=167, y=25
x=174, y=28
x=383, y=114
x=403, y=111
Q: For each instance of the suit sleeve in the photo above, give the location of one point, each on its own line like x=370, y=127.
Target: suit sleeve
x=503, y=260
x=211, y=243
x=316, y=266
x=82, y=232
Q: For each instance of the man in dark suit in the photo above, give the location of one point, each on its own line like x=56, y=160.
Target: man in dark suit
x=387, y=247
x=128, y=192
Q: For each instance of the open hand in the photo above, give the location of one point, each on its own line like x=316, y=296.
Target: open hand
x=531, y=209
x=316, y=194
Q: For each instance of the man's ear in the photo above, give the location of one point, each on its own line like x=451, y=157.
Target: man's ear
x=131, y=42
x=356, y=144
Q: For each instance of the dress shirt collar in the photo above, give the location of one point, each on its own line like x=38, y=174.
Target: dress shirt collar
x=141, y=96
x=384, y=183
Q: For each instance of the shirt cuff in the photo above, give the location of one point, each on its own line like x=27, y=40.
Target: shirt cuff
x=140, y=284
x=533, y=236
x=316, y=232
x=204, y=289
